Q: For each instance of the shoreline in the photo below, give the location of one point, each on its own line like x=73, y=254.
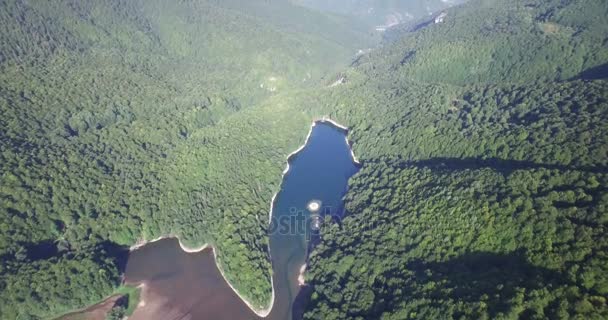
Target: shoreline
x=287, y=167
x=348, y=143
x=84, y=309
x=264, y=312
x=272, y=200
x=142, y=301
x=301, y=279
x=324, y=119
x=142, y=243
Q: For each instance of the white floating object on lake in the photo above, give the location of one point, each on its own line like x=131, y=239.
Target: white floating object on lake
x=314, y=206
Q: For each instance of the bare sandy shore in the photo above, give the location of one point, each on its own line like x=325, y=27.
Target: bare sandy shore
x=94, y=312
x=301, y=279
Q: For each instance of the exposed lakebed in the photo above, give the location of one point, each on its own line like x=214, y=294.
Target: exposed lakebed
x=181, y=285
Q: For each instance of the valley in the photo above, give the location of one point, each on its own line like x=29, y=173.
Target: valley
x=481, y=150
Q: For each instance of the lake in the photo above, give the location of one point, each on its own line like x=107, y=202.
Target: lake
x=320, y=171
x=182, y=285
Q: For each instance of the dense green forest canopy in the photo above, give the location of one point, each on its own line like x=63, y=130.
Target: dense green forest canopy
x=128, y=120
x=483, y=188
x=483, y=142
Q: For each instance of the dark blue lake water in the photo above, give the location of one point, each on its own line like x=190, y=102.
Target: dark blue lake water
x=320, y=172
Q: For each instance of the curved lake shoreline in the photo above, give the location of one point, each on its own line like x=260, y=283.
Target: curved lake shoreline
x=346, y=130
x=324, y=164
x=295, y=268
x=261, y=313
x=178, y=284
x=294, y=153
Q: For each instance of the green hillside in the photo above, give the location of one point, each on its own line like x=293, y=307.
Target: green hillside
x=482, y=193
x=128, y=120
x=483, y=142
x=498, y=42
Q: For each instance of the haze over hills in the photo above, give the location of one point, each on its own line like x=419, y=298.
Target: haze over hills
x=483, y=142
x=381, y=12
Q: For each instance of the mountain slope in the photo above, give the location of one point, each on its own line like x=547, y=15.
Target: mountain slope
x=483, y=142
x=482, y=189
x=498, y=41
x=128, y=120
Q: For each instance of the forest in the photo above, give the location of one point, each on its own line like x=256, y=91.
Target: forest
x=482, y=193
x=483, y=142
x=119, y=125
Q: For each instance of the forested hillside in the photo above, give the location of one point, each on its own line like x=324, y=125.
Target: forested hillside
x=128, y=120
x=496, y=41
x=484, y=143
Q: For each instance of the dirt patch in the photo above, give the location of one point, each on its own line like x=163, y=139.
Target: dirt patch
x=95, y=312
x=549, y=28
